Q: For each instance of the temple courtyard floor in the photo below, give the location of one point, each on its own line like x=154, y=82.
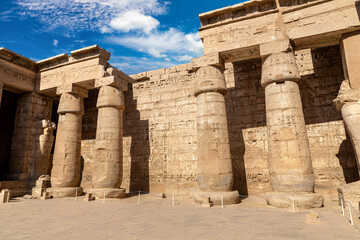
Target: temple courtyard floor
x=156, y=218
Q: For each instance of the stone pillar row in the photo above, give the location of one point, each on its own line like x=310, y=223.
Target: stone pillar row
x=108, y=156
x=214, y=167
x=290, y=166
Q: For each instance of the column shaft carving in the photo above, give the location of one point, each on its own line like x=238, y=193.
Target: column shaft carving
x=66, y=171
x=108, y=160
x=214, y=166
x=290, y=166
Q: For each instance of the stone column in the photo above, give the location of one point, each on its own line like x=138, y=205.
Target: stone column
x=291, y=172
x=108, y=159
x=66, y=171
x=214, y=167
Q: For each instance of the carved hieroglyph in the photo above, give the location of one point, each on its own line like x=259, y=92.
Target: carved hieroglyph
x=108, y=158
x=214, y=167
x=291, y=172
x=66, y=171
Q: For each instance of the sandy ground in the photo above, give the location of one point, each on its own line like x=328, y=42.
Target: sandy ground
x=156, y=218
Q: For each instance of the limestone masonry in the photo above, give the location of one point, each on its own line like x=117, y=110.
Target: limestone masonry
x=271, y=109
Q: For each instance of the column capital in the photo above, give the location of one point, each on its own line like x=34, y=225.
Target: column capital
x=110, y=96
x=71, y=103
x=279, y=67
x=209, y=79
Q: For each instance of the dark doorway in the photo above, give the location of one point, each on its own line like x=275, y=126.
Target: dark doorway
x=7, y=121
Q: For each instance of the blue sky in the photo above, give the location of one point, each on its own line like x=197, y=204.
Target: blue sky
x=141, y=35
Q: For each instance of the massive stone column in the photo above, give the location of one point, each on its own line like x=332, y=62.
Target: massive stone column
x=66, y=171
x=214, y=167
x=291, y=172
x=108, y=159
x=348, y=102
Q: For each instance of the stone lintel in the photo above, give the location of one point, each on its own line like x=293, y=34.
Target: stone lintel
x=92, y=50
x=76, y=56
x=16, y=77
x=112, y=81
x=55, y=59
x=72, y=88
x=242, y=54
x=208, y=60
x=237, y=12
x=256, y=22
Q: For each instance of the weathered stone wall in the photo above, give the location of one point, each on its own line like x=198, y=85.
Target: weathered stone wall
x=331, y=150
x=160, y=128
x=31, y=109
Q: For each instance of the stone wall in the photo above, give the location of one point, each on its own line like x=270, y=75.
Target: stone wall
x=160, y=128
x=331, y=150
x=32, y=108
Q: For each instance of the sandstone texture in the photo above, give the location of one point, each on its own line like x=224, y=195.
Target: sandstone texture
x=271, y=109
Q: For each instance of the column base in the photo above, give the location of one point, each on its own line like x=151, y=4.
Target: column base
x=65, y=192
x=302, y=200
x=109, y=192
x=215, y=197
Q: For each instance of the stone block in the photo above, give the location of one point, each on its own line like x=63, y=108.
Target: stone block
x=5, y=196
x=89, y=197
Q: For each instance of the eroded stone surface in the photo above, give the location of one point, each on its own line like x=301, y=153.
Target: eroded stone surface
x=179, y=129
x=290, y=167
x=66, y=171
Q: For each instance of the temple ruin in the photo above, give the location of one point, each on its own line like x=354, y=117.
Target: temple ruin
x=271, y=109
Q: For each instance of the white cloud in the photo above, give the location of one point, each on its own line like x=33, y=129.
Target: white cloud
x=161, y=44
x=55, y=42
x=134, y=20
x=128, y=23
x=6, y=16
x=92, y=15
